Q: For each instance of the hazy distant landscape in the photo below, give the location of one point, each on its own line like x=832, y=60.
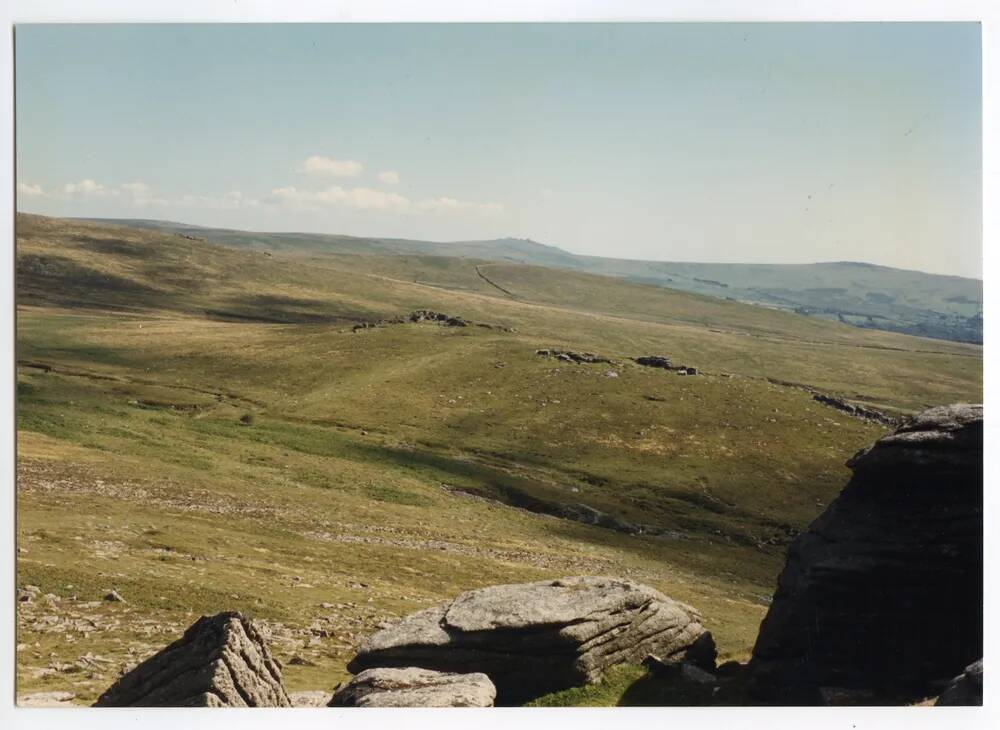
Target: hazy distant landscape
x=859, y=294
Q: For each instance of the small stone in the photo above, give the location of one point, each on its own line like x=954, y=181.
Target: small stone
x=114, y=597
x=310, y=698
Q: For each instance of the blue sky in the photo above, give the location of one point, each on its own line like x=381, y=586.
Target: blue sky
x=727, y=142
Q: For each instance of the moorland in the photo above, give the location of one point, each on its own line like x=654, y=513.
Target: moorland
x=203, y=425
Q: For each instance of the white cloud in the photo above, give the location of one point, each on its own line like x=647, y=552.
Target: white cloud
x=87, y=187
x=391, y=177
x=327, y=166
x=369, y=199
x=27, y=189
x=446, y=205
x=358, y=198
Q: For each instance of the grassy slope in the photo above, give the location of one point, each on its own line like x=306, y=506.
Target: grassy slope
x=136, y=473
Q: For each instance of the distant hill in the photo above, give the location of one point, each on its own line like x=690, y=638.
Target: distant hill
x=858, y=294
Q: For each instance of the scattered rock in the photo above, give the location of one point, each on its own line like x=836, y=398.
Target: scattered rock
x=869, y=414
x=114, y=596
x=966, y=688
x=579, y=512
x=309, y=698
x=426, y=315
x=654, y=361
x=414, y=687
x=588, y=358
x=46, y=699
x=536, y=638
x=664, y=363
x=361, y=326
x=220, y=661
x=884, y=592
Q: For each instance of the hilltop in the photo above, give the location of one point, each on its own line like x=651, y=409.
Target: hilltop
x=854, y=293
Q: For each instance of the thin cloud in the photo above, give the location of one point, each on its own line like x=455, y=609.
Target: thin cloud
x=28, y=189
x=390, y=177
x=368, y=199
x=87, y=187
x=329, y=167
x=142, y=195
x=233, y=200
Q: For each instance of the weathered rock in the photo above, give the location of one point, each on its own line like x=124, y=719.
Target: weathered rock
x=884, y=592
x=966, y=688
x=114, y=597
x=414, y=687
x=221, y=661
x=535, y=638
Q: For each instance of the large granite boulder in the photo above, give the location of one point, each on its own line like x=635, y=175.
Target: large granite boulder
x=413, y=687
x=220, y=661
x=535, y=638
x=884, y=592
x=966, y=688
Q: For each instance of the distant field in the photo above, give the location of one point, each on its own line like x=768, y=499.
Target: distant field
x=200, y=428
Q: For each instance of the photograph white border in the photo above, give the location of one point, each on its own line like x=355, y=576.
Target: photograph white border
x=243, y=11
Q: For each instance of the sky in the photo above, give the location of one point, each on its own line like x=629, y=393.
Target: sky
x=763, y=143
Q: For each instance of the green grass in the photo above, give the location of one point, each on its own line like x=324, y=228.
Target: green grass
x=131, y=434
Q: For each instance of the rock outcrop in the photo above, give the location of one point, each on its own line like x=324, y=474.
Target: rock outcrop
x=536, y=638
x=580, y=358
x=655, y=361
x=221, y=661
x=426, y=315
x=664, y=363
x=413, y=687
x=966, y=688
x=868, y=414
x=884, y=592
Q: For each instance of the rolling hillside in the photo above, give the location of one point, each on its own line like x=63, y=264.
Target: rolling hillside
x=858, y=294
x=203, y=426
